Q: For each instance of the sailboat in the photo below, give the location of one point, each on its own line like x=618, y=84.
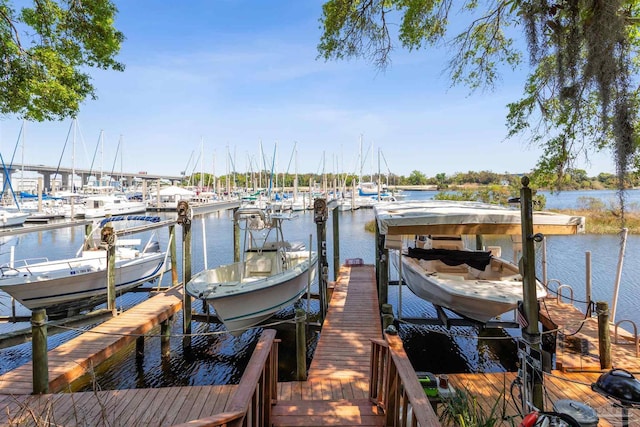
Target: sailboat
x=11, y=218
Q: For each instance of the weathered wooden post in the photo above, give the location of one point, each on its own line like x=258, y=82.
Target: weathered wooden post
x=604, y=337
x=40, y=369
x=382, y=267
x=88, y=230
x=173, y=250
x=530, y=331
x=140, y=349
x=184, y=219
x=236, y=237
x=320, y=218
x=108, y=241
x=336, y=244
x=165, y=337
x=301, y=345
x=387, y=316
x=40, y=185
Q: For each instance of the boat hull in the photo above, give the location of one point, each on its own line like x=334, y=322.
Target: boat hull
x=79, y=283
x=243, y=303
x=476, y=299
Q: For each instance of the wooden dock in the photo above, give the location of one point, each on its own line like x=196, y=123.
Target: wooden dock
x=337, y=391
x=577, y=344
x=337, y=388
x=76, y=357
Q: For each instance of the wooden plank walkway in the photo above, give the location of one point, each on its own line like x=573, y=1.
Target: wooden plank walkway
x=353, y=320
x=337, y=388
x=71, y=360
x=165, y=406
x=577, y=345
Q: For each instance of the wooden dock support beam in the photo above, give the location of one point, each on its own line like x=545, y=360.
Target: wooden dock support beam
x=236, y=238
x=108, y=239
x=173, y=252
x=604, y=337
x=531, y=332
x=39, y=351
x=320, y=215
x=165, y=337
x=301, y=345
x=184, y=219
x=336, y=243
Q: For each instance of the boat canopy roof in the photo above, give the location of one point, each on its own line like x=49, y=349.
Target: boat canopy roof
x=459, y=217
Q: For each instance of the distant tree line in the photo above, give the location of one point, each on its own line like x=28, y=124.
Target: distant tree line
x=574, y=179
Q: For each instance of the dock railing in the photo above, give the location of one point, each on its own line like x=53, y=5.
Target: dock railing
x=251, y=403
x=395, y=388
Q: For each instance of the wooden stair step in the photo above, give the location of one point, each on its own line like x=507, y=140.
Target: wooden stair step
x=307, y=413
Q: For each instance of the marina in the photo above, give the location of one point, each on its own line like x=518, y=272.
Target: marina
x=349, y=385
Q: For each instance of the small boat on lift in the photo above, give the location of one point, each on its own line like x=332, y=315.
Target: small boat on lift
x=439, y=268
x=273, y=273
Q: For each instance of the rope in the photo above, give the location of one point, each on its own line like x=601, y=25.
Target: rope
x=587, y=316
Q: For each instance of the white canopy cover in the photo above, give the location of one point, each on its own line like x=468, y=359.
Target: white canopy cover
x=461, y=217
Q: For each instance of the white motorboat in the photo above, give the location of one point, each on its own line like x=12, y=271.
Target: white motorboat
x=479, y=285
x=475, y=284
x=12, y=219
x=69, y=285
x=111, y=204
x=273, y=274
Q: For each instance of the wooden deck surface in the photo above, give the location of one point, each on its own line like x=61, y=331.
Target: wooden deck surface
x=71, y=360
x=139, y=407
x=577, y=347
x=352, y=321
x=337, y=388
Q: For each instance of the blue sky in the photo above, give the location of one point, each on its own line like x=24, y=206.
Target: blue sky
x=205, y=78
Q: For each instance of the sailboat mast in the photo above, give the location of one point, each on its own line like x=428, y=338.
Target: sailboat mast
x=24, y=131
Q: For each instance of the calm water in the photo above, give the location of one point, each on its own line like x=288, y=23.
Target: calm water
x=218, y=358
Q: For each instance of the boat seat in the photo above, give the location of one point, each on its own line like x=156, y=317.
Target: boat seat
x=441, y=267
x=258, y=266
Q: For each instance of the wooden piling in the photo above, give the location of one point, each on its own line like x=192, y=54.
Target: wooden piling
x=173, y=250
x=165, y=337
x=140, y=348
x=320, y=218
x=108, y=238
x=184, y=219
x=236, y=238
x=604, y=338
x=301, y=345
x=40, y=370
x=530, y=333
x=336, y=243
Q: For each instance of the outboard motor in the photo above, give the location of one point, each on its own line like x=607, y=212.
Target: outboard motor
x=152, y=247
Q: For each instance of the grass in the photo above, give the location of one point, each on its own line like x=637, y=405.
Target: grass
x=605, y=221
x=464, y=410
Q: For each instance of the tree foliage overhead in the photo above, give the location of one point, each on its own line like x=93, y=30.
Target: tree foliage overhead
x=581, y=95
x=46, y=49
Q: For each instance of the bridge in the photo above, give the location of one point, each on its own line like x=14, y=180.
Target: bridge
x=50, y=173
